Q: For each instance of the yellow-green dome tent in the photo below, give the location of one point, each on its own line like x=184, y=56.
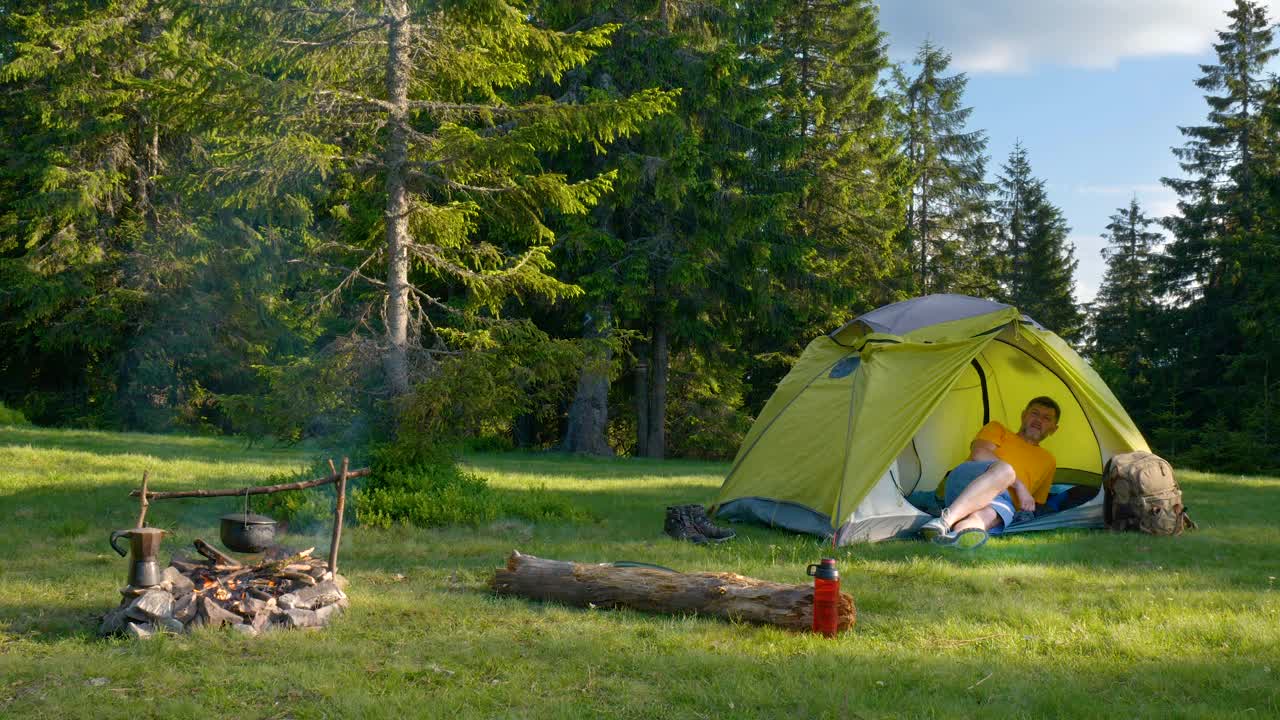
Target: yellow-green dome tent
x=886, y=405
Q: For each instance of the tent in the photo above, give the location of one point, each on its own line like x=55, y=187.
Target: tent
x=878, y=411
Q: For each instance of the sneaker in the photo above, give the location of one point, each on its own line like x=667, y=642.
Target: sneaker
x=967, y=539
x=935, y=529
x=698, y=516
x=678, y=526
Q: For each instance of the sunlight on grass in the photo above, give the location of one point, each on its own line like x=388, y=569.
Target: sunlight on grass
x=1059, y=624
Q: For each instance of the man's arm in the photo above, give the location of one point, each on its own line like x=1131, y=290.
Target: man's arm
x=1022, y=496
x=983, y=450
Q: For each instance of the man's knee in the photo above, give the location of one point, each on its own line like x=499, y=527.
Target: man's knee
x=1004, y=472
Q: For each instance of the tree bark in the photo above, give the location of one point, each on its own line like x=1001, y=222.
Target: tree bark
x=657, y=444
x=589, y=414
x=723, y=595
x=642, y=403
x=396, y=361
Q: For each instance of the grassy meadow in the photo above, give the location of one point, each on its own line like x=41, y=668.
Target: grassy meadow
x=1061, y=624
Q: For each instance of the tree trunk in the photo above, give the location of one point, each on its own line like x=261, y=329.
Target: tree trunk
x=642, y=402
x=396, y=361
x=657, y=445
x=589, y=414
x=723, y=595
x=522, y=433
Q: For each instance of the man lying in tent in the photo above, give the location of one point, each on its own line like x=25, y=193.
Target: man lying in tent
x=1006, y=472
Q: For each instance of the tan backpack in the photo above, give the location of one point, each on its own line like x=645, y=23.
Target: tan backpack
x=1141, y=494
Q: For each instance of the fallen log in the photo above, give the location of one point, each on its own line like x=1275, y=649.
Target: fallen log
x=724, y=595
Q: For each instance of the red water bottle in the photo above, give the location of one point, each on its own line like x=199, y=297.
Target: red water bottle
x=826, y=596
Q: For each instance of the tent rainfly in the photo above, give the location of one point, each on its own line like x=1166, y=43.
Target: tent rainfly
x=879, y=410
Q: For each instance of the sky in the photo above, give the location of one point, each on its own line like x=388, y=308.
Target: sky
x=1094, y=89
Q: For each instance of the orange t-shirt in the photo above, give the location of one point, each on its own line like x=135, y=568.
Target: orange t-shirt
x=1033, y=465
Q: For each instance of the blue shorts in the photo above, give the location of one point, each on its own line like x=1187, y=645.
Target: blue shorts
x=967, y=472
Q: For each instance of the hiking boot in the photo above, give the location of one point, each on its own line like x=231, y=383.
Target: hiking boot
x=679, y=526
x=698, y=516
x=967, y=539
x=937, y=527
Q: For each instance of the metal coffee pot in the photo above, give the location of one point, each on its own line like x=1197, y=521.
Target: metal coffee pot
x=144, y=546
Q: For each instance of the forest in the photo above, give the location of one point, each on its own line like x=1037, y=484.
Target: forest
x=598, y=227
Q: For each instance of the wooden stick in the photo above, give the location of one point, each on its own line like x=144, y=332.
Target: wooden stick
x=144, y=503
x=337, y=519
x=259, y=490
x=214, y=554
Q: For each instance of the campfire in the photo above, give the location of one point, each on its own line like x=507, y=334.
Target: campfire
x=284, y=589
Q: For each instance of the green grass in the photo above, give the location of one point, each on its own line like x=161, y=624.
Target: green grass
x=1063, y=624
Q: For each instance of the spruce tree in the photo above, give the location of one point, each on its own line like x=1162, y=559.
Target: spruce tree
x=1222, y=252
x=761, y=211
x=90, y=236
x=422, y=110
x=1040, y=279
x=1123, y=308
x=944, y=220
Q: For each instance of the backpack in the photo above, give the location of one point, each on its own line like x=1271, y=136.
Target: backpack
x=1141, y=494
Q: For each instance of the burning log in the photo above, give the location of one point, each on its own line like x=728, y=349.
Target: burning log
x=215, y=554
x=723, y=595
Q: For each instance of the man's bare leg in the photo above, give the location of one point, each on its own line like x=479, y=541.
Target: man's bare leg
x=966, y=511
x=983, y=519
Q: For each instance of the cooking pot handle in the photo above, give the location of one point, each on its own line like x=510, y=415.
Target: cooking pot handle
x=115, y=536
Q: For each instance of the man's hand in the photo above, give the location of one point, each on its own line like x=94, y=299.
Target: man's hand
x=1023, y=497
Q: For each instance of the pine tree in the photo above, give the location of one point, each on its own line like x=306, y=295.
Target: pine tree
x=1041, y=262
x=944, y=225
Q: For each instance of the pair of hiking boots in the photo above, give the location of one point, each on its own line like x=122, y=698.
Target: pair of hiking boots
x=690, y=522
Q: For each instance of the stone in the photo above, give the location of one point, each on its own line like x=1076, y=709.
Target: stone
x=261, y=621
x=130, y=592
x=324, y=614
x=251, y=606
x=325, y=593
x=175, y=582
x=299, y=618
x=113, y=622
x=341, y=581
x=170, y=625
x=139, y=631
x=184, y=607
x=211, y=614
x=152, y=605
x=287, y=601
x=244, y=629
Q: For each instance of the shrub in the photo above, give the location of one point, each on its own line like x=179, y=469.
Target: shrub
x=427, y=494
x=423, y=493
x=10, y=416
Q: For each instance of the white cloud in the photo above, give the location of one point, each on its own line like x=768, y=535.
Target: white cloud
x=1001, y=36
x=1126, y=190
x=1156, y=200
